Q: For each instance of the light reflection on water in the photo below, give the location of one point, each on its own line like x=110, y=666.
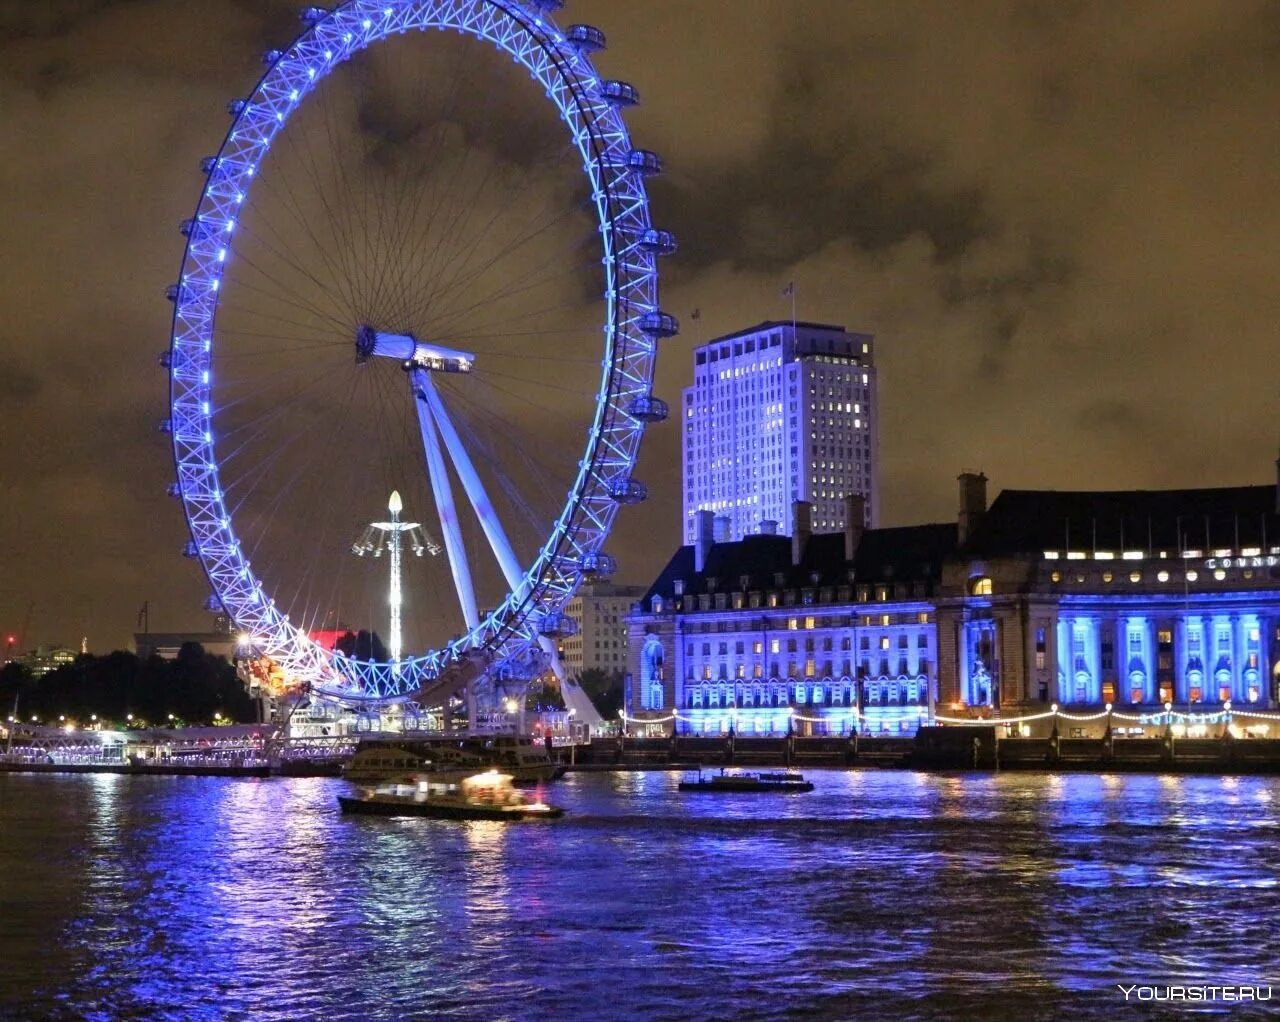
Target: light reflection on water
x=881, y=894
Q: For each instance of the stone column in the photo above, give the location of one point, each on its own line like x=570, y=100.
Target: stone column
x=1179, y=658
x=1121, y=658
x=1065, y=668
x=1239, y=659
x=1153, y=659
x=1094, y=655
x=1267, y=683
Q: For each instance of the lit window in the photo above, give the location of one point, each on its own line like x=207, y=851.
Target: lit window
x=1162, y=576
x=1135, y=576
x=1192, y=576
x=980, y=587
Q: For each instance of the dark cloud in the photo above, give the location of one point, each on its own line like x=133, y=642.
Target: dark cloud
x=1110, y=416
x=50, y=18
x=818, y=175
x=17, y=383
x=1059, y=220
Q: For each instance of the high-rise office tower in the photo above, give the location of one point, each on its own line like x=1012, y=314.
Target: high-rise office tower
x=779, y=413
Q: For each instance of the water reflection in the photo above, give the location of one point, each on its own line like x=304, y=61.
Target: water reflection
x=964, y=894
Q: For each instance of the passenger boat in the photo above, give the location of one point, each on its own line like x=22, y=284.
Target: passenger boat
x=484, y=796
x=722, y=782
x=522, y=758
x=382, y=762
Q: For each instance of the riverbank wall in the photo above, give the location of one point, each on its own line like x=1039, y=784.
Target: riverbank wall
x=971, y=748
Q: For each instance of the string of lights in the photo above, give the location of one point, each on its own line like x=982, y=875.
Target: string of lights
x=1168, y=715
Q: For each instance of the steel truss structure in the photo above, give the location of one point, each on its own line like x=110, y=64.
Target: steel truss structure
x=633, y=323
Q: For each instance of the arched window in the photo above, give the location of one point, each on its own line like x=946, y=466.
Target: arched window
x=980, y=586
x=651, y=674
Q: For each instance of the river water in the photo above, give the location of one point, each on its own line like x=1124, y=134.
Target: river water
x=882, y=894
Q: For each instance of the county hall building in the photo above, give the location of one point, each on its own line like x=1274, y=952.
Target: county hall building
x=1134, y=599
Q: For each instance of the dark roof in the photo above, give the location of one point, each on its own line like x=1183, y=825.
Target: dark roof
x=1032, y=521
x=913, y=553
x=773, y=324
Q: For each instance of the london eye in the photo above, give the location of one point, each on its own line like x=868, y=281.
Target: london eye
x=422, y=264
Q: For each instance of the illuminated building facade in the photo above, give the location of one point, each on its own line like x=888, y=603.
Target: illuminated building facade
x=812, y=631
x=600, y=642
x=47, y=658
x=779, y=413
x=1136, y=600
x=1131, y=598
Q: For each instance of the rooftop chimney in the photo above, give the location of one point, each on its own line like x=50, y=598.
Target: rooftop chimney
x=855, y=511
x=769, y=527
x=720, y=529
x=705, y=532
x=802, y=529
x=973, y=503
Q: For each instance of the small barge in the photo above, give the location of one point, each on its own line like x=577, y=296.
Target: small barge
x=722, y=782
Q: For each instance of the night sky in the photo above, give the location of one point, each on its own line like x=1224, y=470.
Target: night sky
x=1058, y=219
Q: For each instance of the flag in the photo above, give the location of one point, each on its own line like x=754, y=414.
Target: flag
x=696, y=314
x=789, y=290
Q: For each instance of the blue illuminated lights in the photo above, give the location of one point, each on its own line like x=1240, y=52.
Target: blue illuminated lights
x=590, y=109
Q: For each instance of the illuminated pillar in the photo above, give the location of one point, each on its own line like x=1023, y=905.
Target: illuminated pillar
x=1120, y=655
x=1266, y=625
x=1153, y=659
x=1066, y=669
x=1179, y=654
x=395, y=598
x=440, y=488
x=1092, y=657
x=1240, y=663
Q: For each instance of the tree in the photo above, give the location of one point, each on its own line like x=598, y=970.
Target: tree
x=362, y=645
x=15, y=683
x=605, y=689
x=543, y=696
x=194, y=688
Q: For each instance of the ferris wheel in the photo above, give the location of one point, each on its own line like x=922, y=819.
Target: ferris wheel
x=422, y=263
